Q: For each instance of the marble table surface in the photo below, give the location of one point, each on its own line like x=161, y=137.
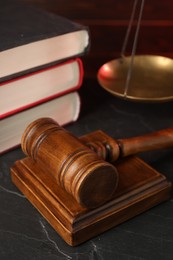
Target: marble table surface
x=26, y=235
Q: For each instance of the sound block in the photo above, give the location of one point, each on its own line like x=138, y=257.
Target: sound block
x=140, y=188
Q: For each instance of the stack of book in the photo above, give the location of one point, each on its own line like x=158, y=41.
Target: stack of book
x=40, y=69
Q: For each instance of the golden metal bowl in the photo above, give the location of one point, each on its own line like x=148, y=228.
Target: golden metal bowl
x=151, y=78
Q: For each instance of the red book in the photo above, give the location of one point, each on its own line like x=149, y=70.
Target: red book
x=37, y=87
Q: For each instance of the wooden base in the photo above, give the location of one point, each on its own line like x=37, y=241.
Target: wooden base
x=140, y=188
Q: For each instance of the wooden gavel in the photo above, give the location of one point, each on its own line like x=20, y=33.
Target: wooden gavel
x=79, y=164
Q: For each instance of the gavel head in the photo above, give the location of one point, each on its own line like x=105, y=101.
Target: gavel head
x=76, y=168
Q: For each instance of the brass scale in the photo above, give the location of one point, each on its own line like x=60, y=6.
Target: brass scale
x=143, y=78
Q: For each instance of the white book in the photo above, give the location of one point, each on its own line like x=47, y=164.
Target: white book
x=64, y=109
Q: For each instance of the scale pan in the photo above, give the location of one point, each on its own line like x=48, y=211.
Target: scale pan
x=151, y=78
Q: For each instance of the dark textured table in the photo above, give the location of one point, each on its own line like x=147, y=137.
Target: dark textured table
x=26, y=235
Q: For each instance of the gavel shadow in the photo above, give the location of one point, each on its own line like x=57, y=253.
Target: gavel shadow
x=80, y=194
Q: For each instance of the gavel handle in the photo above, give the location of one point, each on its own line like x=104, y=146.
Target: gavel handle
x=128, y=146
x=149, y=142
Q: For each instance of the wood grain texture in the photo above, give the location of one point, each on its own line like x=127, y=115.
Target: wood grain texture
x=79, y=193
x=72, y=161
x=152, y=141
x=112, y=149
x=140, y=188
x=75, y=167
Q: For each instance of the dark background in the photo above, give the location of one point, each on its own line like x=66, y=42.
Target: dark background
x=108, y=22
x=24, y=234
